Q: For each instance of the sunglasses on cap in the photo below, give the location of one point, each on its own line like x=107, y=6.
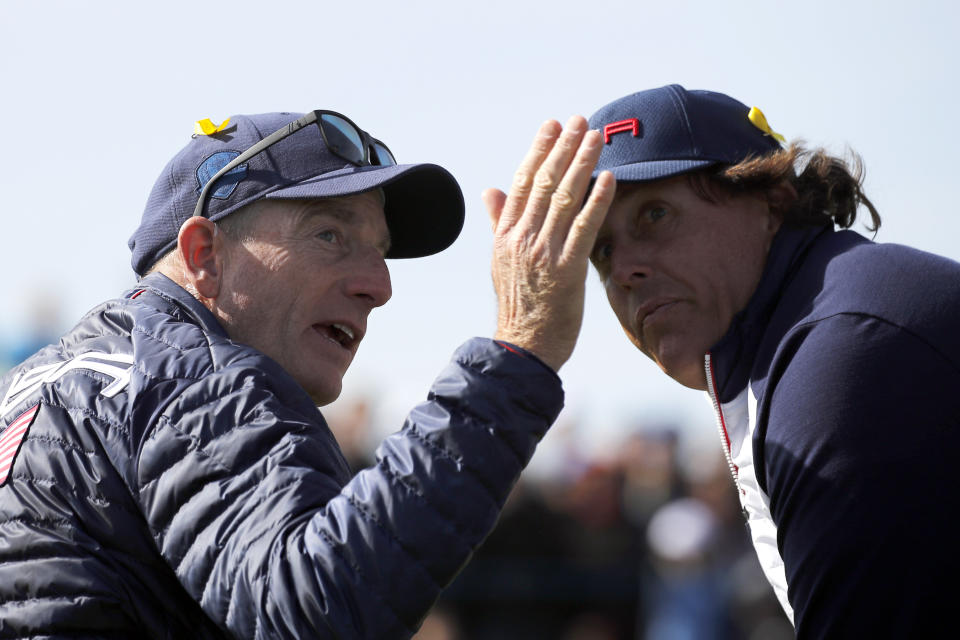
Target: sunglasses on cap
x=342, y=137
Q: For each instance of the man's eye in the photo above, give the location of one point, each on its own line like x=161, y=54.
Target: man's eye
x=602, y=252
x=655, y=213
x=327, y=235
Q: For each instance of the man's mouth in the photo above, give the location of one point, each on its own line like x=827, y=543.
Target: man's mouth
x=340, y=333
x=653, y=312
x=649, y=310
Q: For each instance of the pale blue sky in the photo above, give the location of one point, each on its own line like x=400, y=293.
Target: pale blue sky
x=98, y=96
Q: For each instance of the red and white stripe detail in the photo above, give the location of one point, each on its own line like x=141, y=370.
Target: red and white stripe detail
x=11, y=439
x=737, y=422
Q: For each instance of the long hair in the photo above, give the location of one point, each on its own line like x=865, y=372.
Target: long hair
x=829, y=189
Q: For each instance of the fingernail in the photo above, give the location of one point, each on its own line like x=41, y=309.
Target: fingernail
x=575, y=124
x=592, y=138
x=550, y=128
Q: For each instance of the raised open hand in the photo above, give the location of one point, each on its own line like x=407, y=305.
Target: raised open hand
x=543, y=234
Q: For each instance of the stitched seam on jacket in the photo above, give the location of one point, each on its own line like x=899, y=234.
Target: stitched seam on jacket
x=89, y=413
x=436, y=447
x=60, y=443
x=372, y=517
x=472, y=421
x=62, y=523
x=183, y=409
x=96, y=497
x=264, y=571
x=268, y=579
x=400, y=480
x=421, y=437
x=175, y=306
x=150, y=334
x=213, y=362
x=215, y=521
x=499, y=382
x=261, y=574
x=71, y=598
x=508, y=390
x=146, y=374
x=168, y=423
x=334, y=547
x=444, y=517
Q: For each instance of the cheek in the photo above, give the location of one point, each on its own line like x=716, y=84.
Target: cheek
x=742, y=279
x=615, y=298
x=620, y=309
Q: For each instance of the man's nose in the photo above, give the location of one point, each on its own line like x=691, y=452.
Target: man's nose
x=370, y=279
x=630, y=265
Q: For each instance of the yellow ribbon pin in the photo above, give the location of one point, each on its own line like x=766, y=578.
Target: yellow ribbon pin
x=206, y=127
x=760, y=122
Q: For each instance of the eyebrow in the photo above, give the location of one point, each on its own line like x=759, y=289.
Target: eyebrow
x=335, y=210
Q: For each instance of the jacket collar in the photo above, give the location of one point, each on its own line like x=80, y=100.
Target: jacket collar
x=732, y=358
x=162, y=293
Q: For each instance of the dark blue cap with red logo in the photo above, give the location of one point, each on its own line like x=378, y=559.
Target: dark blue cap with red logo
x=664, y=132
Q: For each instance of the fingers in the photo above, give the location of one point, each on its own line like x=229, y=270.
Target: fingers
x=586, y=224
x=546, y=195
x=568, y=196
x=543, y=235
x=493, y=200
x=523, y=179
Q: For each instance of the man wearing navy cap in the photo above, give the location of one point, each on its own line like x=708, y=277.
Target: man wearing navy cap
x=833, y=362
x=164, y=470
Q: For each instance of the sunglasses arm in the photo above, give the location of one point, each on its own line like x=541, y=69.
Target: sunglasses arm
x=273, y=138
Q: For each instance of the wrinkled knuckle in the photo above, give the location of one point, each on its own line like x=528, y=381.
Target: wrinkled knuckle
x=544, y=182
x=563, y=199
x=522, y=181
x=582, y=225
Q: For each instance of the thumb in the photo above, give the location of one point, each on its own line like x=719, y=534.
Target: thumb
x=494, y=199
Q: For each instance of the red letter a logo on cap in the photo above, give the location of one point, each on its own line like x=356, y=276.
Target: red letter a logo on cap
x=630, y=124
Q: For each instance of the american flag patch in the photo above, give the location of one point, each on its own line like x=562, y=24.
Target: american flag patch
x=10, y=441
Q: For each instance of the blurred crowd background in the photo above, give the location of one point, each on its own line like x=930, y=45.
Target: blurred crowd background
x=642, y=538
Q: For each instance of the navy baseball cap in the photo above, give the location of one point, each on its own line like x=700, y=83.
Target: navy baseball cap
x=664, y=132
x=424, y=205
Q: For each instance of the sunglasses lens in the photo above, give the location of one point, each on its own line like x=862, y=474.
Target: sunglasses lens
x=383, y=156
x=342, y=138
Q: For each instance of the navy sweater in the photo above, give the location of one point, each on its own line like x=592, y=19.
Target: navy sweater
x=838, y=393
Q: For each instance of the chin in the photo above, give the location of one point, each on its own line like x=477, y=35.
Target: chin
x=686, y=367
x=678, y=362
x=692, y=378
x=322, y=391
x=325, y=396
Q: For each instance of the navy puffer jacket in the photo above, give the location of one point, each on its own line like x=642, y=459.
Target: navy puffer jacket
x=167, y=482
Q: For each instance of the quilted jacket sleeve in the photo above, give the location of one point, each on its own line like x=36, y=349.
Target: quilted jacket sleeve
x=245, y=497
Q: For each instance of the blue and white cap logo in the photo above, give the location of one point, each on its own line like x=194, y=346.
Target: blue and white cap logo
x=228, y=181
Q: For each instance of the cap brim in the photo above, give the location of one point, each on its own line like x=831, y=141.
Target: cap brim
x=424, y=207
x=654, y=169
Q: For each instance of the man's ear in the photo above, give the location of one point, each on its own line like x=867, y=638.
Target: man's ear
x=202, y=252
x=780, y=197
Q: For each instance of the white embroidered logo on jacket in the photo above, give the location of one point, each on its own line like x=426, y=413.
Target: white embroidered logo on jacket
x=115, y=365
